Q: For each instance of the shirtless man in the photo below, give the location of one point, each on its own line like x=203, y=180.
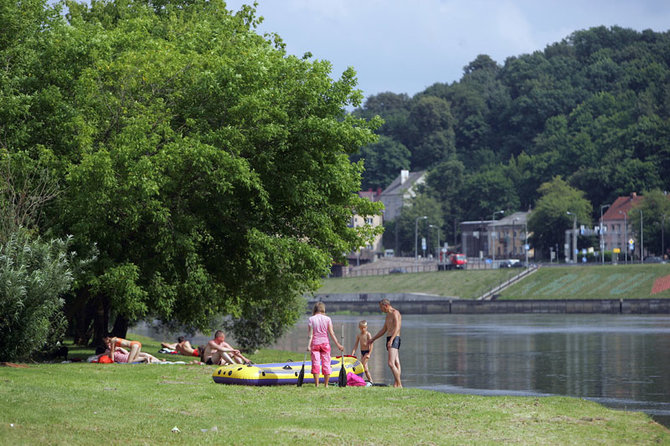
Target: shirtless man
x=392, y=329
x=219, y=352
x=183, y=347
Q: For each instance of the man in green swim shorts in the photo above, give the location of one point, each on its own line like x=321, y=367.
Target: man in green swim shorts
x=392, y=329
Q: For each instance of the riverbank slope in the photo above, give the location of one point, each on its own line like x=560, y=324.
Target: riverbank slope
x=564, y=282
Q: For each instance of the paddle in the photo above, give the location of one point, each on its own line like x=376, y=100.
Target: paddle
x=342, y=379
x=301, y=376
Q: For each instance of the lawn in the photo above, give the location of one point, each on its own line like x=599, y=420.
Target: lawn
x=81, y=403
x=464, y=284
x=565, y=282
x=593, y=282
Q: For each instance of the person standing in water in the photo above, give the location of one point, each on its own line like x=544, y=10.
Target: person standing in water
x=392, y=329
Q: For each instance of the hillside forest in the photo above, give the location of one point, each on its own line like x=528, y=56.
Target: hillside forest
x=590, y=114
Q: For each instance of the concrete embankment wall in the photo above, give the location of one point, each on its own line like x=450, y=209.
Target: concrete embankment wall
x=428, y=304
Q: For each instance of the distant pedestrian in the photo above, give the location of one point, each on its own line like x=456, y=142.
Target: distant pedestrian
x=320, y=326
x=392, y=329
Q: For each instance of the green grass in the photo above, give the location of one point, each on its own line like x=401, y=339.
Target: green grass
x=463, y=284
x=569, y=282
x=140, y=404
x=592, y=282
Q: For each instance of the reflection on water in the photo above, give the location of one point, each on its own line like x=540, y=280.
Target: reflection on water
x=620, y=361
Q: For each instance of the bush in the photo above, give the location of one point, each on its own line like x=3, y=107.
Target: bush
x=33, y=275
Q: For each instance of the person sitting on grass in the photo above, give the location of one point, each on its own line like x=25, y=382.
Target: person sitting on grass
x=219, y=352
x=183, y=347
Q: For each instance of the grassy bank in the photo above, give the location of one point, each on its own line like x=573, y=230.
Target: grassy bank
x=570, y=282
x=464, y=284
x=592, y=282
x=141, y=404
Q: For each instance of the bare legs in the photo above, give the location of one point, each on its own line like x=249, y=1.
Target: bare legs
x=134, y=352
x=394, y=365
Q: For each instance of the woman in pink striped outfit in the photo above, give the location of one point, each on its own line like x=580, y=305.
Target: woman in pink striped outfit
x=320, y=326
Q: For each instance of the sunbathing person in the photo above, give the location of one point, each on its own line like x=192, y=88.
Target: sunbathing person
x=121, y=355
x=113, y=342
x=219, y=352
x=183, y=347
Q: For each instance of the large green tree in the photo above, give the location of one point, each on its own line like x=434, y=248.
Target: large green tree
x=208, y=166
x=550, y=219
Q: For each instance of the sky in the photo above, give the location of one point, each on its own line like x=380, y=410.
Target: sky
x=404, y=46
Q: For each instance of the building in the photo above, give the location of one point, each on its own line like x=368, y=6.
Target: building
x=400, y=192
x=475, y=238
x=370, y=252
x=508, y=236
x=617, y=231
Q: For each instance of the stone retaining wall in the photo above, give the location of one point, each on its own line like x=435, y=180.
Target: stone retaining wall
x=429, y=304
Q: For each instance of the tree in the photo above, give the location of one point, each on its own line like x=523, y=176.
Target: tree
x=400, y=233
x=209, y=167
x=655, y=220
x=549, y=220
x=383, y=160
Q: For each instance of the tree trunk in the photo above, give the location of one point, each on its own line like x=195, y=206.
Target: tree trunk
x=120, y=327
x=101, y=321
x=80, y=312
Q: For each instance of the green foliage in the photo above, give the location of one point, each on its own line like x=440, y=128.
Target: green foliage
x=550, y=219
x=34, y=275
x=209, y=167
x=593, y=109
x=655, y=221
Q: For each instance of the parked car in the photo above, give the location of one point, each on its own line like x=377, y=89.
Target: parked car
x=654, y=259
x=398, y=271
x=510, y=263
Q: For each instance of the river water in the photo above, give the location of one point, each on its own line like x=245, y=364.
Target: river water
x=620, y=361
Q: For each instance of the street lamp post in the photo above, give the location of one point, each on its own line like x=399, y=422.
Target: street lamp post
x=625, y=237
x=641, y=237
x=416, y=239
x=602, y=241
x=525, y=242
x=439, y=249
x=663, y=238
x=513, y=239
x=574, y=236
x=493, y=243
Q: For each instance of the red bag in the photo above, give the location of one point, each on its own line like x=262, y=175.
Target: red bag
x=104, y=359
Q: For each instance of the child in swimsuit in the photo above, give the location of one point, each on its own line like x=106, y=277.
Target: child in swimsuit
x=363, y=338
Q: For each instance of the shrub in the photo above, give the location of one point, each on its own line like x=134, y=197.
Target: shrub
x=34, y=274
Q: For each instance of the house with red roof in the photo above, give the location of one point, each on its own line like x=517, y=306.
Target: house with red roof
x=617, y=231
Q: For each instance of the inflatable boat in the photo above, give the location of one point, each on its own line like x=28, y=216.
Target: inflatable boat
x=282, y=373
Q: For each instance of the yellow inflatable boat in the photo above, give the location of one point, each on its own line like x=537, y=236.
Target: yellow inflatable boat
x=281, y=373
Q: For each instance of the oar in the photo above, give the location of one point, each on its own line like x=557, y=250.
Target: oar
x=301, y=376
x=342, y=379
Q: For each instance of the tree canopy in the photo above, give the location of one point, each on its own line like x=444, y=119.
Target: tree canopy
x=209, y=168
x=593, y=108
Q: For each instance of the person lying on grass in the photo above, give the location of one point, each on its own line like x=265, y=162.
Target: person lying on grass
x=219, y=352
x=183, y=347
x=122, y=355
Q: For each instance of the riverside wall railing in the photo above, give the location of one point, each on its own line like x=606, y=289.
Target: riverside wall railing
x=407, y=303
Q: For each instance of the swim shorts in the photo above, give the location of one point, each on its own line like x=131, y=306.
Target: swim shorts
x=364, y=352
x=196, y=352
x=395, y=344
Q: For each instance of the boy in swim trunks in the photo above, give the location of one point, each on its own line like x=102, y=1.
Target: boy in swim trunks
x=364, y=339
x=392, y=329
